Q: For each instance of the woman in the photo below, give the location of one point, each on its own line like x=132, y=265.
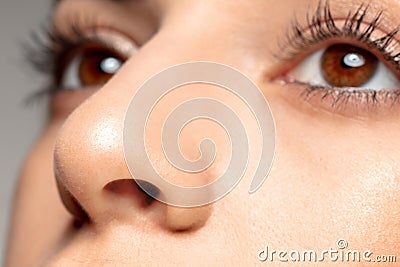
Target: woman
x=330, y=73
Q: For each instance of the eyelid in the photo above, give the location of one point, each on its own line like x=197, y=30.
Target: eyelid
x=83, y=40
x=323, y=29
x=49, y=45
x=360, y=105
x=114, y=40
x=110, y=39
x=295, y=60
x=319, y=33
x=323, y=25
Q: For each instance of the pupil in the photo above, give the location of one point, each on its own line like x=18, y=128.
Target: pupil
x=353, y=60
x=110, y=65
x=344, y=65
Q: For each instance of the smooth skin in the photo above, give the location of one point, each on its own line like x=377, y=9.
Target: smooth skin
x=335, y=173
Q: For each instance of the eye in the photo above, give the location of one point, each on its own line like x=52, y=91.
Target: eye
x=89, y=66
x=345, y=66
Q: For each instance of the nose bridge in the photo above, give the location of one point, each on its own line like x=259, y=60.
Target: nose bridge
x=89, y=151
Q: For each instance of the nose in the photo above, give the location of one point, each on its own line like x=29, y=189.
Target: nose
x=90, y=165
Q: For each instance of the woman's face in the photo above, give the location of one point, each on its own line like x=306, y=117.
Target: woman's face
x=329, y=80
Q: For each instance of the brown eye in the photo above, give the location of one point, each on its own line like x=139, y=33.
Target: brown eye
x=97, y=67
x=345, y=65
x=92, y=66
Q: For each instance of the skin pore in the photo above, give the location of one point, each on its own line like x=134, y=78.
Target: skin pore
x=335, y=173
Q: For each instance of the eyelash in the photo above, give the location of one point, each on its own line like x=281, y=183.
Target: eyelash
x=45, y=55
x=47, y=48
x=321, y=26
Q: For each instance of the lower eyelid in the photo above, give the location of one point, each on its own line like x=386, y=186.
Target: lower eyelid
x=364, y=105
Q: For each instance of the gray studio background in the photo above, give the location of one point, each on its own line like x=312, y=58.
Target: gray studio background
x=19, y=124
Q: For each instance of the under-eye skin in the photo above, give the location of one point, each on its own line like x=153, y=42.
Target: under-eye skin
x=353, y=62
x=81, y=60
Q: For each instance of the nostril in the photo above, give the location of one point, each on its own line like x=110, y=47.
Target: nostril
x=129, y=188
x=150, y=190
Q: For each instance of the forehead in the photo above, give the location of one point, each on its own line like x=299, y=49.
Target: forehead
x=266, y=6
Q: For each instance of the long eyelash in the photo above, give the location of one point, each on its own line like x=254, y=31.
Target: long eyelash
x=45, y=49
x=321, y=26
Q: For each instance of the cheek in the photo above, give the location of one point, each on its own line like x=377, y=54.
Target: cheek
x=332, y=178
x=38, y=215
